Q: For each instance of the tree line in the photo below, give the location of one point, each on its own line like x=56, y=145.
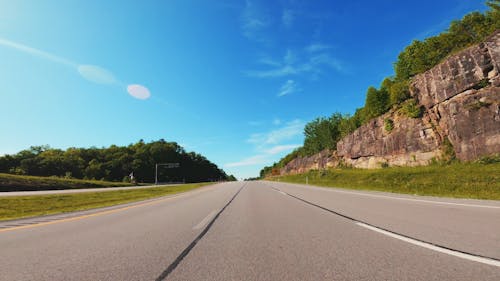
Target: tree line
x=393, y=93
x=115, y=163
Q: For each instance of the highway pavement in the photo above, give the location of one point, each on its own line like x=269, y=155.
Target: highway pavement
x=261, y=231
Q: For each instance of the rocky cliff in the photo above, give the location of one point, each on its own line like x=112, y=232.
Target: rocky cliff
x=461, y=102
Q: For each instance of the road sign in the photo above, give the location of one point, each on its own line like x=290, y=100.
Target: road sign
x=166, y=165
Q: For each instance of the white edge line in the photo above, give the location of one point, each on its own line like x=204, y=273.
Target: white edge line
x=432, y=247
x=406, y=199
x=279, y=191
x=204, y=221
x=60, y=217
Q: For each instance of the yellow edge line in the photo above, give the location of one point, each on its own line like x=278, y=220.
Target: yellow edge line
x=96, y=214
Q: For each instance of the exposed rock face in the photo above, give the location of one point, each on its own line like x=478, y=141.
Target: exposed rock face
x=458, y=73
x=471, y=121
x=461, y=97
x=314, y=162
x=468, y=117
x=411, y=142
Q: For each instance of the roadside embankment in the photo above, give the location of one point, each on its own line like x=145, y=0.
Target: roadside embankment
x=17, y=207
x=460, y=180
x=10, y=182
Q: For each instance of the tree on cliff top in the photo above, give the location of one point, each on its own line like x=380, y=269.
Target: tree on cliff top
x=322, y=133
x=416, y=58
x=421, y=56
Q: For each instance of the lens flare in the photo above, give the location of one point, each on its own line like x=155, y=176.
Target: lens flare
x=138, y=91
x=96, y=74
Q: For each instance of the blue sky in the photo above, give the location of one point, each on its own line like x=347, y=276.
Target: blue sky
x=233, y=80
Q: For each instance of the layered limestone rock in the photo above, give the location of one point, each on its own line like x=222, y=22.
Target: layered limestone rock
x=412, y=141
x=471, y=122
x=315, y=162
x=461, y=98
x=459, y=73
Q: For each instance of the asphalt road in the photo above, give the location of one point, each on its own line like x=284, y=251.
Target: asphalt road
x=262, y=231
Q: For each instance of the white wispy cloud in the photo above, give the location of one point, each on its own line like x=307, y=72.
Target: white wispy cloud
x=287, y=132
x=264, y=158
x=269, y=61
x=270, y=145
x=281, y=148
x=326, y=60
x=317, y=47
x=250, y=161
x=287, y=18
x=290, y=57
x=253, y=21
x=289, y=87
x=292, y=63
x=255, y=123
x=275, y=72
x=450, y=14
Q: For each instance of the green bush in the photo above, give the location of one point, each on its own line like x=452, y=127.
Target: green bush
x=421, y=56
x=388, y=124
x=478, y=105
x=376, y=103
x=482, y=84
x=489, y=159
x=448, y=151
x=399, y=92
x=411, y=109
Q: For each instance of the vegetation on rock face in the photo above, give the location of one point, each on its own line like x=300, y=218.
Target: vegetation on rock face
x=388, y=124
x=448, y=151
x=114, y=163
x=411, y=108
x=420, y=56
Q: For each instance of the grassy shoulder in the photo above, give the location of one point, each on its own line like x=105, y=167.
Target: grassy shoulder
x=38, y=205
x=460, y=180
x=10, y=182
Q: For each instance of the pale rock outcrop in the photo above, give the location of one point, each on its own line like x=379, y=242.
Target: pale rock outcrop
x=461, y=101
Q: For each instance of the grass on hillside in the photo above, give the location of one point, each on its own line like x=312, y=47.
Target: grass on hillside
x=460, y=180
x=38, y=205
x=10, y=182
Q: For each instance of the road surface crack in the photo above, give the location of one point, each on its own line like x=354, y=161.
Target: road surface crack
x=188, y=249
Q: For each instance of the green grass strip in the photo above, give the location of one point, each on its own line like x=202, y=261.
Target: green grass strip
x=459, y=180
x=10, y=182
x=38, y=205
